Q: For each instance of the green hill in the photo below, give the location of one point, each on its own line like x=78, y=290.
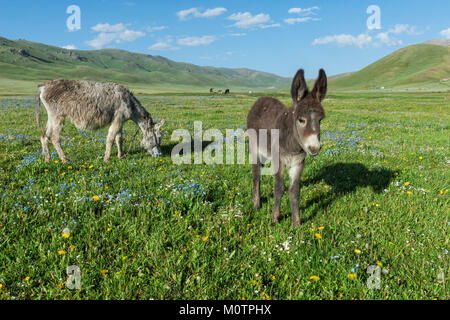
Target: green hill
x=24, y=64
x=421, y=66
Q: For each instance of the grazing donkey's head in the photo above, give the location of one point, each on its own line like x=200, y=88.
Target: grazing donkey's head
x=152, y=137
x=308, y=111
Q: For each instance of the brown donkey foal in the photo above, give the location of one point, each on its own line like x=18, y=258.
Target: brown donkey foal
x=299, y=134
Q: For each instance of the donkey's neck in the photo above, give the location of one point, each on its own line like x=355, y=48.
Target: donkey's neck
x=141, y=117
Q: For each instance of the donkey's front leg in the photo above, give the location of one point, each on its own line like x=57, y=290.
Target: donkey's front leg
x=279, y=189
x=295, y=174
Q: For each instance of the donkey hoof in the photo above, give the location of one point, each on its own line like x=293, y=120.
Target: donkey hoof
x=275, y=220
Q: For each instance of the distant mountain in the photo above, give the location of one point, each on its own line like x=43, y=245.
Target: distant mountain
x=21, y=60
x=439, y=42
x=415, y=66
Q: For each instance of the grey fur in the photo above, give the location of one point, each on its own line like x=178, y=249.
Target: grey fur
x=93, y=106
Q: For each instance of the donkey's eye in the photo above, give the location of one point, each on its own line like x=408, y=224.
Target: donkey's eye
x=301, y=120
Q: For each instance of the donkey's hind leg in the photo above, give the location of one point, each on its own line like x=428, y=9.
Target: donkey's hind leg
x=119, y=142
x=256, y=172
x=115, y=128
x=45, y=138
x=57, y=128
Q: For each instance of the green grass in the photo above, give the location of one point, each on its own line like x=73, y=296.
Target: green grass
x=161, y=231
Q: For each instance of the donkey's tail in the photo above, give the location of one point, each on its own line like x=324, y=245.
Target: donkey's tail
x=37, y=104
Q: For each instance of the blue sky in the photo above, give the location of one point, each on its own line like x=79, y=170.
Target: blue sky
x=273, y=36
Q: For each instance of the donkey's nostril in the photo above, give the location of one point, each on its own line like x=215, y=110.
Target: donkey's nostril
x=314, y=150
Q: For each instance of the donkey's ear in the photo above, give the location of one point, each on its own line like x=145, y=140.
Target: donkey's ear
x=299, y=88
x=320, y=88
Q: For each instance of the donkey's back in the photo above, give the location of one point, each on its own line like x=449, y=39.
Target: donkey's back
x=89, y=105
x=264, y=113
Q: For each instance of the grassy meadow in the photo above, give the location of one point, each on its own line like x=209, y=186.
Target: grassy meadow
x=144, y=228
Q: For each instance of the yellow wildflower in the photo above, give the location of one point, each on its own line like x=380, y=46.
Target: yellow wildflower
x=72, y=247
x=357, y=251
x=104, y=272
x=352, y=275
x=318, y=236
x=95, y=198
x=27, y=279
x=315, y=278
x=61, y=252
x=379, y=264
x=205, y=238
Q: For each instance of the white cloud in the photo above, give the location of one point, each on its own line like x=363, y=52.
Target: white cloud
x=70, y=47
x=237, y=34
x=345, y=40
x=246, y=20
x=163, y=46
x=209, y=13
x=158, y=28
x=304, y=15
x=273, y=25
x=306, y=11
x=106, y=27
x=445, y=33
x=364, y=40
x=102, y=40
x=196, y=41
x=196, y=13
x=109, y=33
x=300, y=20
x=386, y=38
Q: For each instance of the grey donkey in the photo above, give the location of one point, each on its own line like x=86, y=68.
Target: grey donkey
x=299, y=134
x=93, y=106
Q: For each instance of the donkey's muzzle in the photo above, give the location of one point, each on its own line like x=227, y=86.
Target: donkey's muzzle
x=314, y=150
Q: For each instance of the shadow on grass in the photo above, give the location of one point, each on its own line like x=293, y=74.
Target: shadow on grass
x=345, y=178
